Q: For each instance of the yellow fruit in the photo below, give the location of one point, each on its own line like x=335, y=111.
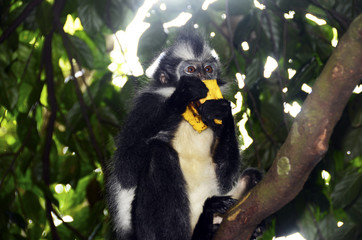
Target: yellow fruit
x=192, y=116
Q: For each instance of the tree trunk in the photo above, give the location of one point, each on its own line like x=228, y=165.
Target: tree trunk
x=307, y=141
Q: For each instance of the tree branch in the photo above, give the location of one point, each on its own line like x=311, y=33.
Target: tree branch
x=307, y=141
x=83, y=106
x=75, y=231
x=47, y=60
x=24, y=14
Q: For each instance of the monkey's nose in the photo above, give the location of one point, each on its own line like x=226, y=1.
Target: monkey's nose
x=201, y=76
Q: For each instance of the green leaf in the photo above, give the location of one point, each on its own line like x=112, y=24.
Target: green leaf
x=153, y=38
x=108, y=115
x=27, y=131
x=44, y=17
x=69, y=170
x=89, y=17
x=254, y=72
x=244, y=29
x=237, y=7
x=8, y=98
x=273, y=32
x=352, y=142
x=73, y=119
x=32, y=207
x=346, y=190
x=287, y=5
x=48, y=193
x=17, y=219
x=35, y=230
x=81, y=51
x=355, y=111
x=24, y=92
x=347, y=232
x=116, y=14
x=93, y=192
x=68, y=96
x=355, y=210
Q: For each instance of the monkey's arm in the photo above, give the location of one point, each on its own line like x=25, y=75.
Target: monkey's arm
x=144, y=122
x=226, y=153
x=153, y=116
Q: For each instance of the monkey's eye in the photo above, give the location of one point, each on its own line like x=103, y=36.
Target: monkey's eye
x=208, y=69
x=190, y=69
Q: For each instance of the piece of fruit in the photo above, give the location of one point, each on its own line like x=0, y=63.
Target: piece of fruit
x=191, y=114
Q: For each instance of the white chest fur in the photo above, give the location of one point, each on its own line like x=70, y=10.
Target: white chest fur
x=194, y=151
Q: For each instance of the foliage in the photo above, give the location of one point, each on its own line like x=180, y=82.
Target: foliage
x=59, y=111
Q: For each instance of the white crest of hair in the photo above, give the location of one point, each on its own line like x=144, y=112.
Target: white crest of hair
x=214, y=54
x=184, y=51
x=124, y=198
x=152, y=68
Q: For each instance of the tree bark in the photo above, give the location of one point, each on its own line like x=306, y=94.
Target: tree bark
x=307, y=141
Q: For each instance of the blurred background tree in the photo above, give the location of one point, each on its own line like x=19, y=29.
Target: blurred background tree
x=68, y=70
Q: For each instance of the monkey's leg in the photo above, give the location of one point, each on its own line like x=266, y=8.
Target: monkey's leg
x=161, y=206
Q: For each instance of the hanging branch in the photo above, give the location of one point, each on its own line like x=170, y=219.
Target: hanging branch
x=24, y=14
x=75, y=231
x=49, y=79
x=81, y=101
x=307, y=141
x=47, y=61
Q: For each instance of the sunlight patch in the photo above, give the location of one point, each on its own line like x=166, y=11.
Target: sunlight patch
x=326, y=176
x=306, y=88
x=259, y=5
x=334, y=41
x=313, y=18
x=357, y=89
x=179, y=21
x=295, y=236
x=236, y=108
x=124, y=54
x=291, y=73
x=240, y=78
x=72, y=25
x=206, y=4
x=289, y=15
x=245, y=46
x=270, y=65
x=247, y=140
x=293, y=109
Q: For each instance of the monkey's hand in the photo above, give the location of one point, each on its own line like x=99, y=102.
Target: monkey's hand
x=207, y=225
x=189, y=89
x=212, y=110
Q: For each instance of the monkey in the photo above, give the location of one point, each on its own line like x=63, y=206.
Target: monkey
x=168, y=180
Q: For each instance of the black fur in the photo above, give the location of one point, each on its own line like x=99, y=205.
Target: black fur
x=205, y=228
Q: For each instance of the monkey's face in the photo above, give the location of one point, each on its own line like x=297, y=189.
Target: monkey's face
x=202, y=70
